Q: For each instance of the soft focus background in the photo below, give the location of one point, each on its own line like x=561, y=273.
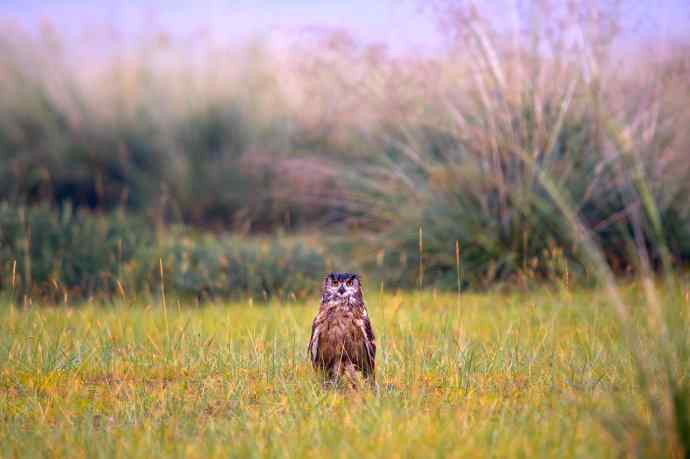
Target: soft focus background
x=251, y=146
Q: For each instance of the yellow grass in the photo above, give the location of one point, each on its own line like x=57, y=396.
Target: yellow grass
x=521, y=375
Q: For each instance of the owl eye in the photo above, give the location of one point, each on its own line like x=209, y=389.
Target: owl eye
x=349, y=283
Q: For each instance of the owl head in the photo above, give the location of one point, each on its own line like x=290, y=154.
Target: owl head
x=342, y=286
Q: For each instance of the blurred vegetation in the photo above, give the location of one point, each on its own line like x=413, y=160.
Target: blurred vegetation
x=60, y=253
x=211, y=267
x=350, y=143
x=78, y=253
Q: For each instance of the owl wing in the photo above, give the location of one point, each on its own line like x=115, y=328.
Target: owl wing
x=313, y=349
x=369, y=344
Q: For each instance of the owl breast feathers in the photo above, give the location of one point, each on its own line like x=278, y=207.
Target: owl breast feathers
x=342, y=339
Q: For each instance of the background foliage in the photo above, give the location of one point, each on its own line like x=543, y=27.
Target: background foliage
x=353, y=146
x=58, y=254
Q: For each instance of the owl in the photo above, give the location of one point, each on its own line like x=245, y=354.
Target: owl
x=342, y=341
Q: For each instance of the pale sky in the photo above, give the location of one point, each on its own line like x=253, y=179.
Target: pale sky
x=400, y=25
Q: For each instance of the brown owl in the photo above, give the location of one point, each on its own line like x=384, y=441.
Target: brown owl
x=342, y=341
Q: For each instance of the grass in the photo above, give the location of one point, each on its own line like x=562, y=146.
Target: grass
x=519, y=375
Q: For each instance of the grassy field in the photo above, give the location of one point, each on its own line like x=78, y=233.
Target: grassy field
x=519, y=375
x=532, y=157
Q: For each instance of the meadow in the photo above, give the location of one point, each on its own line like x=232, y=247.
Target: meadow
x=541, y=374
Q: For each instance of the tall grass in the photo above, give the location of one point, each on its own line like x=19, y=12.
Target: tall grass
x=344, y=138
x=599, y=123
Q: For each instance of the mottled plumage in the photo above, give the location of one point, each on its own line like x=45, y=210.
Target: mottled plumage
x=342, y=340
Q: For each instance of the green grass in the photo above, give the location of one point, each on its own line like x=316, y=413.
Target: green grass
x=520, y=375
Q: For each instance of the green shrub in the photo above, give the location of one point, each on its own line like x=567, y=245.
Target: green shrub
x=50, y=253
x=227, y=266
x=68, y=251
x=507, y=226
x=505, y=223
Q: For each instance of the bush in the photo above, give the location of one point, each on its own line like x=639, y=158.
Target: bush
x=85, y=254
x=68, y=251
x=501, y=216
x=227, y=266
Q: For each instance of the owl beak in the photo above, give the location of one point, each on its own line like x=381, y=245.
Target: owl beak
x=341, y=290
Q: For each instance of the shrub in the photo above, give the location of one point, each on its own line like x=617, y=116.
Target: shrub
x=51, y=253
x=59, y=252
x=229, y=266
